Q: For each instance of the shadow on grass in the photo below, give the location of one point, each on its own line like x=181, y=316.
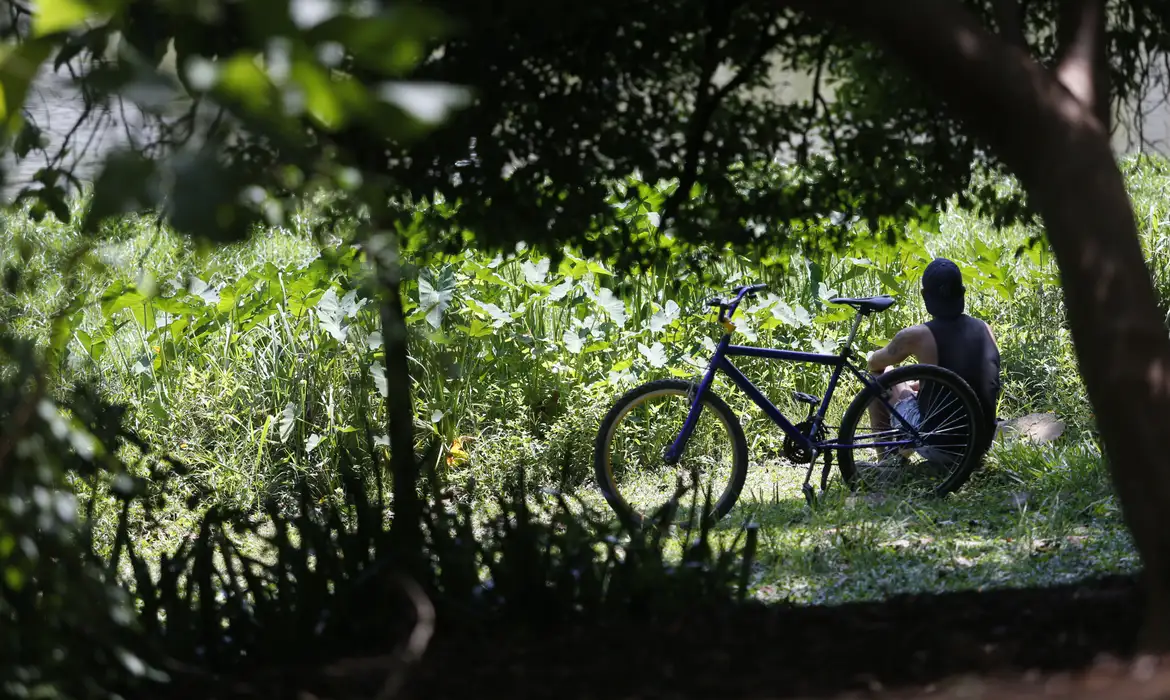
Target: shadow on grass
x=1033, y=516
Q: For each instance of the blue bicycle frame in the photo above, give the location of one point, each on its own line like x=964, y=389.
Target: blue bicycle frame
x=839, y=363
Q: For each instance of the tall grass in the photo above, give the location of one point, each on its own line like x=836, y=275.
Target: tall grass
x=230, y=361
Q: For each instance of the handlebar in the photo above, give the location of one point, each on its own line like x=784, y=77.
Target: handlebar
x=727, y=310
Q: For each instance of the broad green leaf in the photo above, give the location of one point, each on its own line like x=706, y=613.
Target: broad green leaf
x=792, y=315
x=559, y=291
x=827, y=346
x=663, y=318
x=613, y=306
x=499, y=316
x=322, y=101
x=331, y=315
x=204, y=291
x=597, y=268
x=61, y=332
x=535, y=273
x=835, y=314
x=312, y=442
x=94, y=347
x=573, y=342
x=243, y=80
x=52, y=16
x=479, y=329
x=435, y=294
x=655, y=354
x=120, y=296
x=19, y=64
x=889, y=281
x=350, y=304
x=617, y=377
x=288, y=421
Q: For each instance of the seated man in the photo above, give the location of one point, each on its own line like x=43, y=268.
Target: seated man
x=951, y=339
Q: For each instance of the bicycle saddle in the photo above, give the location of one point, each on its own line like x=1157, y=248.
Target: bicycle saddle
x=866, y=305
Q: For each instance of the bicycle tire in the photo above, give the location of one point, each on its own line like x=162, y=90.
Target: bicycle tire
x=857, y=410
x=602, y=467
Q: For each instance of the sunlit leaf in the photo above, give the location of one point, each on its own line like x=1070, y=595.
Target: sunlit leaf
x=435, y=294
x=792, y=315
x=663, y=318
x=827, y=346
x=204, y=291
x=559, y=291
x=52, y=16
x=655, y=354
x=535, y=273
x=613, y=306
x=331, y=315
x=288, y=421
x=312, y=443
x=573, y=342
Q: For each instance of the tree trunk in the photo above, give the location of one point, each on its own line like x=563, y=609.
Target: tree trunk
x=1059, y=148
x=406, y=527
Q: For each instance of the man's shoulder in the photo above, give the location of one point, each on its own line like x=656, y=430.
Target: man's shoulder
x=913, y=336
x=917, y=330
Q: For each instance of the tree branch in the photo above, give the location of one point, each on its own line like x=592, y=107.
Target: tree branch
x=1081, y=63
x=1003, y=95
x=707, y=102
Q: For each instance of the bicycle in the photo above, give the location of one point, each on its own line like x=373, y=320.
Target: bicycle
x=910, y=419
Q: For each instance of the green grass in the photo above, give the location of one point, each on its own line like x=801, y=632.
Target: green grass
x=516, y=362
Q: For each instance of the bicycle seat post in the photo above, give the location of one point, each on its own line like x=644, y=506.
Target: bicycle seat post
x=853, y=330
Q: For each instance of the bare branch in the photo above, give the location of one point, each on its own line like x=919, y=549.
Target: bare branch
x=819, y=103
x=707, y=101
x=1081, y=63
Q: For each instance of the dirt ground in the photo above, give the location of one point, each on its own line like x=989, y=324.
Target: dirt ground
x=1063, y=642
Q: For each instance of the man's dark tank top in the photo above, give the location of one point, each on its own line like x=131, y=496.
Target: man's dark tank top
x=965, y=347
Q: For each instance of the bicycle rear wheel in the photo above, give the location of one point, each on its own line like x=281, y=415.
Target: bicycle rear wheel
x=632, y=439
x=945, y=412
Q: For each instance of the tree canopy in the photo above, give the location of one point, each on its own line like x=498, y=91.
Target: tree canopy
x=564, y=104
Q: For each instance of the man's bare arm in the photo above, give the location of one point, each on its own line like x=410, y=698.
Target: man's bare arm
x=905, y=343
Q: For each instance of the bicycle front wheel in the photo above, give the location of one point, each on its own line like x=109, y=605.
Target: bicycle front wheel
x=877, y=448
x=631, y=443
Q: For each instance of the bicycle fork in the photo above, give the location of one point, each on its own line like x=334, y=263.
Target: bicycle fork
x=674, y=451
